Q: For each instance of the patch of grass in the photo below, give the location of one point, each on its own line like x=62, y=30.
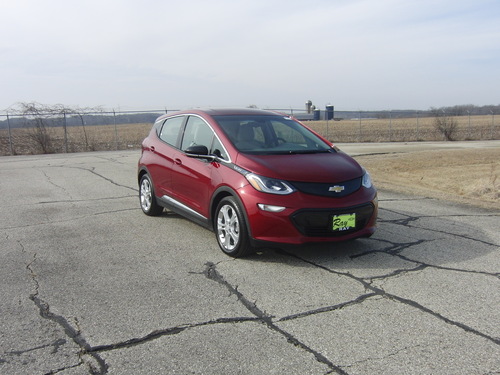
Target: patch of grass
x=465, y=176
x=404, y=129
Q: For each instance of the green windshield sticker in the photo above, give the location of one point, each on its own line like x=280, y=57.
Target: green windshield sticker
x=344, y=222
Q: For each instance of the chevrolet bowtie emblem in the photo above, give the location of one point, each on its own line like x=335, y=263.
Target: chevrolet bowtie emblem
x=336, y=188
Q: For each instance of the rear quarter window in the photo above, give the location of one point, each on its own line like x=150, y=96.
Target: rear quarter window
x=169, y=131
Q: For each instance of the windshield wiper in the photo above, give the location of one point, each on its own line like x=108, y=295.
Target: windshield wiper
x=293, y=152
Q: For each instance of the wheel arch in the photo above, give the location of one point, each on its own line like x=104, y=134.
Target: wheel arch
x=141, y=172
x=221, y=193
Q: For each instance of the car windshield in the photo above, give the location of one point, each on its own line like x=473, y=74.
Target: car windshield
x=264, y=135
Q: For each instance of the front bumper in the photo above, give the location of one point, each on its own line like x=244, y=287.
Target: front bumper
x=307, y=218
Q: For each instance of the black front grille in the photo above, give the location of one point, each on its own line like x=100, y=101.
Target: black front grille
x=332, y=190
x=318, y=222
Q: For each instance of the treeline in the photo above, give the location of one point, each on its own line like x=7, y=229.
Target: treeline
x=81, y=118
x=457, y=110
x=468, y=109
x=85, y=119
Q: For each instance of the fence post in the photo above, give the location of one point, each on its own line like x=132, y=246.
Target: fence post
x=390, y=126
x=116, y=131
x=11, y=147
x=327, y=128
x=65, y=133
x=417, y=124
x=492, y=123
x=359, y=127
x=468, y=127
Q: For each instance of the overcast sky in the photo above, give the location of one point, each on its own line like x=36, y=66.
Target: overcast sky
x=156, y=54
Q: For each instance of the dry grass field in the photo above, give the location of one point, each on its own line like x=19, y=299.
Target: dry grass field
x=469, y=176
x=78, y=139
x=405, y=129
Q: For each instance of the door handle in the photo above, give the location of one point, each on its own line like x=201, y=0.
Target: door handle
x=152, y=148
x=177, y=161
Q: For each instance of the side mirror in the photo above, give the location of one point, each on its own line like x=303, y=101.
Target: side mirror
x=198, y=151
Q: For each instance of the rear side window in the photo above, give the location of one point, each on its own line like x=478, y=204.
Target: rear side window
x=169, y=132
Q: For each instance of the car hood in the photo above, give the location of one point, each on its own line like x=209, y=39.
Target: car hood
x=321, y=167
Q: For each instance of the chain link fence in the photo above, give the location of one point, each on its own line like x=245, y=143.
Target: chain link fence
x=74, y=132
x=394, y=127
x=64, y=132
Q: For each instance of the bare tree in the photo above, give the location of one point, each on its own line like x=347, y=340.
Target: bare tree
x=81, y=113
x=37, y=118
x=444, y=124
x=40, y=118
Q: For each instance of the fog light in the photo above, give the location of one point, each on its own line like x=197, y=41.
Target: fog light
x=269, y=208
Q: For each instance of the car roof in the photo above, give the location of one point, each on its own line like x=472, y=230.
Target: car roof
x=222, y=112
x=236, y=111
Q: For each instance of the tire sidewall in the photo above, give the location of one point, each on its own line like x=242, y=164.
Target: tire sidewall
x=243, y=246
x=154, y=208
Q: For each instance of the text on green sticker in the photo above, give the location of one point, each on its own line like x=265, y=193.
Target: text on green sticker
x=344, y=222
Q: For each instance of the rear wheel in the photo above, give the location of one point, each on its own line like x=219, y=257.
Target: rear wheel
x=231, y=229
x=147, y=197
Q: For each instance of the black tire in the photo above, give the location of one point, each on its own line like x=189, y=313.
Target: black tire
x=231, y=229
x=147, y=197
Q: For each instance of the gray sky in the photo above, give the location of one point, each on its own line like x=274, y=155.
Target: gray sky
x=155, y=54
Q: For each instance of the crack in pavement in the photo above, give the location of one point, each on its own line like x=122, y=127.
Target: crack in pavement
x=49, y=180
x=70, y=219
x=378, y=291
x=320, y=310
x=56, y=345
x=409, y=219
x=92, y=170
x=388, y=355
x=72, y=333
x=425, y=265
x=165, y=332
x=394, y=249
x=212, y=274
x=399, y=272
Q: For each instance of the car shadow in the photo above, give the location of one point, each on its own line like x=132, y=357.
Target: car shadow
x=403, y=242
x=395, y=245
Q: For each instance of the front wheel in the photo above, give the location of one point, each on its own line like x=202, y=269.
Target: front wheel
x=230, y=228
x=147, y=197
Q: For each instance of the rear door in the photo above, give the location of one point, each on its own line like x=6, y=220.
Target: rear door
x=164, y=151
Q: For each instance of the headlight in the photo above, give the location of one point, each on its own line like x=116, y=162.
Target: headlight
x=269, y=185
x=367, y=180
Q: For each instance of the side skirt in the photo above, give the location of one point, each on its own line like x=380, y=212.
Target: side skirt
x=183, y=210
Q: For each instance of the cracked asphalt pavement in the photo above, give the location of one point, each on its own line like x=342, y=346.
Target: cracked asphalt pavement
x=91, y=285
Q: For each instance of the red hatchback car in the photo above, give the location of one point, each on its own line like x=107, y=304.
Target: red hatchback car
x=256, y=178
